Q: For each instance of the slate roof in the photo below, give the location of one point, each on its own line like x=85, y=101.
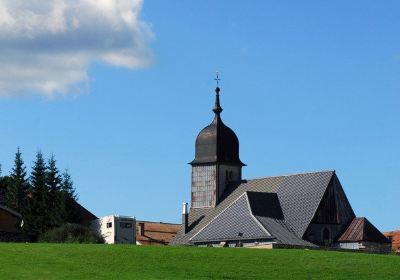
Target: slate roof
x=235, y=221
x=296, y=198
x=360, y=229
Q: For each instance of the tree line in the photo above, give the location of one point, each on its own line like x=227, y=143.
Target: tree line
x=45, y=198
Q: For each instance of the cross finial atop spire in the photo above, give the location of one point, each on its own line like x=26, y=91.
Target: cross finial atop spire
x=217, y=79
x=217, y=107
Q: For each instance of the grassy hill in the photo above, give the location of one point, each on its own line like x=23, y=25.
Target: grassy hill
x=62, y=261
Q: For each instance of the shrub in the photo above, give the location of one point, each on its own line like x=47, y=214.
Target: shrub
x=71, y=233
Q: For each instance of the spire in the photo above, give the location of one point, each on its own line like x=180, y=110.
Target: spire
x=217, y=143
x=217, y=107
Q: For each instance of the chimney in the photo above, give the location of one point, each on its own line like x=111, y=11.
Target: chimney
x=185, y=217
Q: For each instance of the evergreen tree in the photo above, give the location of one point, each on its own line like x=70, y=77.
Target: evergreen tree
x=39, y=210
x=18, y=186
x=54, y=198
x=3, y=188
x=4, y=183
x=69, y=197
x=68, y=185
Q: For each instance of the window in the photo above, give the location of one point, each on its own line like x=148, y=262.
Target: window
x=109, y=225
x=125, y=225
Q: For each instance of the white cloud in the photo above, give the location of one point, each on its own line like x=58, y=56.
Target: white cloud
x=47, y=46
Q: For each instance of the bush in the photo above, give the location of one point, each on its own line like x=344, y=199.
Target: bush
x=71, y=233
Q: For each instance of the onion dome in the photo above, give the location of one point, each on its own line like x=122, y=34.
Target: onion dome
x=217, y=143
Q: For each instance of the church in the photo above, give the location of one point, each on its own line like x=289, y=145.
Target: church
x=307, y=210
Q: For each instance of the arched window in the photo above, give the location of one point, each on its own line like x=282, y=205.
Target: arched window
x=326, y=235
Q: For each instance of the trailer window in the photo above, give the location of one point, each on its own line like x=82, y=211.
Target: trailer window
x=125, y=225
x=109, y=225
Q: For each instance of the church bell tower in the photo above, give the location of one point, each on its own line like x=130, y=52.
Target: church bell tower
x=217, y=162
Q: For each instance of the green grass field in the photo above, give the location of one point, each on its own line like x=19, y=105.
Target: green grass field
x=75, y=261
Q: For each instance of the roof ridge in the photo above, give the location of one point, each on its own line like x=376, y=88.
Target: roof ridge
x=392, y=231
x=293, y=174
x=164, y=223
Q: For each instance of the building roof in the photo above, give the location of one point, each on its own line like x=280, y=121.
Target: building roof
x=82, y=215
x=235, y=221
x=12, y=212
x=292, y=203
x=360, y=229
x=155, y=233
x=217, y=142
x=252, y=216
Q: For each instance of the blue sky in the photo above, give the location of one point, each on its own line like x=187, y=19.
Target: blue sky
x=306, y=86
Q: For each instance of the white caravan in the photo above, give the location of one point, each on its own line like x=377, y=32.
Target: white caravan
x=116, y=229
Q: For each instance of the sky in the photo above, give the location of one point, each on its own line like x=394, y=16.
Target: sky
x=118, y=90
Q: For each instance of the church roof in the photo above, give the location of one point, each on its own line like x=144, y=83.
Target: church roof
x=360, y=229
x=283, y=205
x=217, y=143
x=235, y=220
x=255, y=216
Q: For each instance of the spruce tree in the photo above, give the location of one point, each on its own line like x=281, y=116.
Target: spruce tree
x=68, y=185
x=39, y=209
x=4, y=183
x=69, y=197
x=18, y=186
x=3, y=188
x=54, y=197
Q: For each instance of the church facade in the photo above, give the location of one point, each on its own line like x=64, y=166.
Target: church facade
x=300, y=210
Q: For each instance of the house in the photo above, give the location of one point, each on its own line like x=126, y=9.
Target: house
x=298, y=210
x=81, y=216
x=155, y=233
x=362, y=235
x=123, y=229
x=394, y=236
x=115, y=229
x=10, y=224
